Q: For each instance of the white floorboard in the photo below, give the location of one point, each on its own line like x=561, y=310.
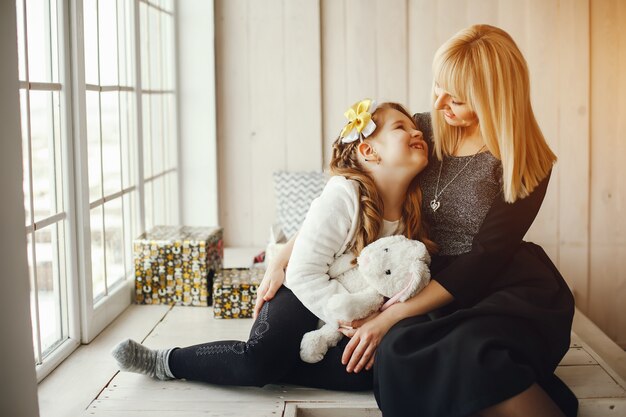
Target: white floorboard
x=72, y=386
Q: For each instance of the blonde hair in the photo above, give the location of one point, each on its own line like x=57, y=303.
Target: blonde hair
x=344, y=162
x=483, y=67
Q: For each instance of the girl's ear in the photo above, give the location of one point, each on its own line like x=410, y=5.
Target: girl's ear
x=365, y=150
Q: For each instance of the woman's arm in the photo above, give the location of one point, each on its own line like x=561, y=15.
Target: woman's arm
x=366, y=334
x=466, y=279
x=470, y=276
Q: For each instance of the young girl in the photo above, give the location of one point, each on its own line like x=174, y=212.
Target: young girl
x=373, y=193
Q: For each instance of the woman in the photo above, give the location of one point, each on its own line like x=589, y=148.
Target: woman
x=485, y=336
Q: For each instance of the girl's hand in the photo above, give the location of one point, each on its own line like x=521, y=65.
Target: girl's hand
x=366, y=335
x=272, y=280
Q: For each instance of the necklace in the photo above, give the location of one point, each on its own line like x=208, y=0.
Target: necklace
x=436, y=203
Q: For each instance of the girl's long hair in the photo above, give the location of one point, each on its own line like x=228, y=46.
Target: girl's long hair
x=483, y=67
x=344, y=162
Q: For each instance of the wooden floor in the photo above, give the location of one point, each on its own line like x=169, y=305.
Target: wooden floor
x=601, y=389
x=89, y=384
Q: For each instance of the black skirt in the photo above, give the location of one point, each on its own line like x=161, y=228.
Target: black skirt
x=457, y=361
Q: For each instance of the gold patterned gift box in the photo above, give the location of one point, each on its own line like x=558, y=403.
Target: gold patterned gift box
x=175, y=265
x=234, y=292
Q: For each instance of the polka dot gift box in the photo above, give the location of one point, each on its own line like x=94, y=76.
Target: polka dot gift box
x=175, y=265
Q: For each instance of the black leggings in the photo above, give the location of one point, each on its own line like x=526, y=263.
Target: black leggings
x=271, y=355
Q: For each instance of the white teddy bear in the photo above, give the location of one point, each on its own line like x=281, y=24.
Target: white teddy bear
x=394, y=267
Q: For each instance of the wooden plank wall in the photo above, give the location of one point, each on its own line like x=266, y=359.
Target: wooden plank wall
x=287, y=69
x=607, y=278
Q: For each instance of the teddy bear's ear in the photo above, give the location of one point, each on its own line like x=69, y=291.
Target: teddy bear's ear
x=419, y=276
x=421, y=252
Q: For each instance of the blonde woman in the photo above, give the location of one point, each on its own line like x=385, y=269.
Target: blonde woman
x=485, y=336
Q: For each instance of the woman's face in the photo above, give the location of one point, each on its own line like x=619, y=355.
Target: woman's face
x=400, y=146
x=455, y=112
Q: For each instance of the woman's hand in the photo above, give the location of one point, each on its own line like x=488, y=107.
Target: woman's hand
x=366, y=335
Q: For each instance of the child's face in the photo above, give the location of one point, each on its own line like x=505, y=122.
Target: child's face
x=400, y=146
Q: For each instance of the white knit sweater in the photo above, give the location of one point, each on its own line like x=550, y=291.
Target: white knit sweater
x=327, y=230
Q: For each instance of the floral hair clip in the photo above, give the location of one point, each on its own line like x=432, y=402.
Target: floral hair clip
x=360, y=124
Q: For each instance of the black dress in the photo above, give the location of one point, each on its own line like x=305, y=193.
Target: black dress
x=510, y=322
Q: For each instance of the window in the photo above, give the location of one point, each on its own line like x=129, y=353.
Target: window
x=100, y=156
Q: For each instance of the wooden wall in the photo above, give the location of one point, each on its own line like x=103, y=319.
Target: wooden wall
x=287, y=69
x=606, y=284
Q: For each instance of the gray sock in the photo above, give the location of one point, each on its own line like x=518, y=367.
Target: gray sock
x=134, y=357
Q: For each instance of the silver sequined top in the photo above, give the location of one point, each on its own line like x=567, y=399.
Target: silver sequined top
x=466, y=200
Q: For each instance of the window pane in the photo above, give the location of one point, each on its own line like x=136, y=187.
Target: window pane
x=169, y=117
x=25, y=153
x=155, y=48
x=147, y=136
x=21, y=45
x=114, y=243
x=39, y=48
x=33, y=300
x=54, y=34
x=43, y=153
x=172, y=198
x=93, y=145
x=159, y=201
x=107, y=24
x=145, y=47
x=168, y=51
x=130, y=228
x=59, y=163
x=49, y=287
x=90, y=20
x=128, y=138
x=112, y=170
x=156, y=133
x=167, y=5
x=97, y=253
x=125, y=35
x=149, y=207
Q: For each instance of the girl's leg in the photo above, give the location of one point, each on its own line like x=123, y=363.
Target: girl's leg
x=329, y=373
x=272, y=350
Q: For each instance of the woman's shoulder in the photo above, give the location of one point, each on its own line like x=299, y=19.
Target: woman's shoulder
x=422, y=117
x=424, y=123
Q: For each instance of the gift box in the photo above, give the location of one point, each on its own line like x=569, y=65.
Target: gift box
x=234, y=292
x=175, y=265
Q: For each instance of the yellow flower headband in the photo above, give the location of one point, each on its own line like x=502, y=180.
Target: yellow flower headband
x=360, y=124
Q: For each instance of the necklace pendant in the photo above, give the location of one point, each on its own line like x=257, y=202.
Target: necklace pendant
x=434, y=204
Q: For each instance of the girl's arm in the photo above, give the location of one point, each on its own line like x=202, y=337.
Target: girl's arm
x=274, y=276
x=326, y=231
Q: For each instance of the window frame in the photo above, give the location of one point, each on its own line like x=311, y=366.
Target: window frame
x=86, y=316
x=69, y=283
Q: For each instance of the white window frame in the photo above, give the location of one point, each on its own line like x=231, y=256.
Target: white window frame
x=95, y=316
x=86, y=318
x=70, y=281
